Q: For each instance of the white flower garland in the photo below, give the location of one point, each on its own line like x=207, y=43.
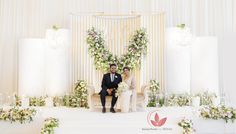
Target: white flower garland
x=221, y=112
x=16, y=114
x=103, y=58
x=178, y=100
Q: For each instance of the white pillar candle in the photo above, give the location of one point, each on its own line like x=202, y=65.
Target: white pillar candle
x=49, y=102
x=196, y=101
x=1, y=99
x=216, y=101
x=24, y=101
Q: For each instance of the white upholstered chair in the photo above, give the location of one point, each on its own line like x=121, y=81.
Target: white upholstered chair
x=94, y=98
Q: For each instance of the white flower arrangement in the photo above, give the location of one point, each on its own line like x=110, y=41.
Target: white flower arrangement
x=154, y=90
x=122, y=87
x=154, y=86
x=49, y=125
x=178, y=100
x=103, y=57
x=187, y=126
x=185, y=99
x=71, y=101
x=79, y=97
x=40, y=101
x=206, y=98
x=57, y=101
x=16, y=114
x=18, y=100
x=221, y=112
x=80, y=94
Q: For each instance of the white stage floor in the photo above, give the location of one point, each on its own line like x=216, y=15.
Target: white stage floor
x=82, y=121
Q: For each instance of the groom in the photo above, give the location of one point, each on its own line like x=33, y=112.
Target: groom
x=110, y=83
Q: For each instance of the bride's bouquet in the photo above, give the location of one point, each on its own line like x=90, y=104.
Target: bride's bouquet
x=122, y=87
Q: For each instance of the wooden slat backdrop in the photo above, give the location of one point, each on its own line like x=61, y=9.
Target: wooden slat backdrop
x=117, y=32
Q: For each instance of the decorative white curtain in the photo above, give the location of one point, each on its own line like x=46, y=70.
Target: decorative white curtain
x=30, y=18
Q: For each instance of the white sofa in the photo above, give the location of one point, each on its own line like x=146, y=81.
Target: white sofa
x=95, y=102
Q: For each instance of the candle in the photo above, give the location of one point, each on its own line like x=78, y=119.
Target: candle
x=216, y=101
x=24, y=101
x=1, y=99
x=196, y=101
x=49, y=102
x=67, y=99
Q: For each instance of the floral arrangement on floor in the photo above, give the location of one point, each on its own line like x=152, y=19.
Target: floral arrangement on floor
x=55, y=27
x=178, y=100
x=49, y=125
x=154, y=90
x=34, y=101
x=66, y=100
x=71, y=101
x=18, y=100
x=155, y=97
x=16, y=114
x=57, y=101
x=103, y=57
x=206, y=97
x=81, y=93
x=79, y=97
x=187, y=126
x=221, y=112
x=122, y=87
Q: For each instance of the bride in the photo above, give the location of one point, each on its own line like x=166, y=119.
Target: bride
x=130, y=81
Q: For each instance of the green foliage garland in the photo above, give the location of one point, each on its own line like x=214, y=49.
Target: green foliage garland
x=103, y=57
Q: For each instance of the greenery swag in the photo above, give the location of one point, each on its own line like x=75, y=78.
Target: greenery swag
x=103, y=57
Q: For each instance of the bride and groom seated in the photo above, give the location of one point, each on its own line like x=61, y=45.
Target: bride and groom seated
x=110, y=83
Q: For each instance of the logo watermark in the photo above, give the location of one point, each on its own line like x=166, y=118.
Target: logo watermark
x=156, y=122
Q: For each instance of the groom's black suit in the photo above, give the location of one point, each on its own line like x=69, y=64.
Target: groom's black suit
x=107, y=83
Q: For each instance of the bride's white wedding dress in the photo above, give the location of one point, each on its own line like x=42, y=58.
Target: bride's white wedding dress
x=130, y=81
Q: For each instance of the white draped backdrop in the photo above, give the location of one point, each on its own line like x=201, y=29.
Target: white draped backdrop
x=30, y=19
